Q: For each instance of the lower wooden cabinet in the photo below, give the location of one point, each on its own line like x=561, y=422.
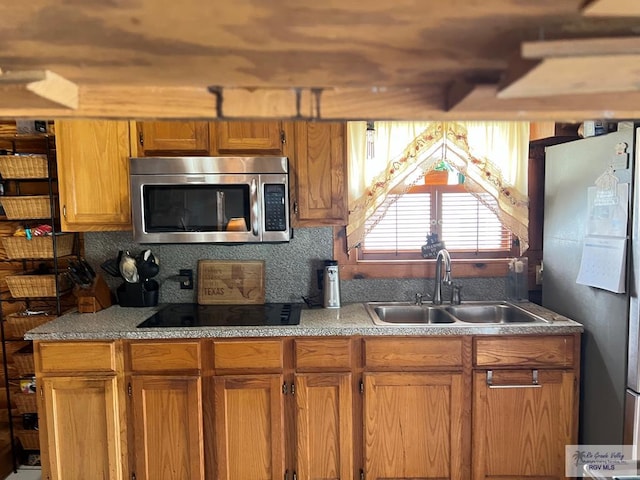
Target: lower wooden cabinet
x=166, y=413
x=249, y=425
x=83, y=424
x=522, y=420
x=324, y=426
x=309, y=408
x=413, y=425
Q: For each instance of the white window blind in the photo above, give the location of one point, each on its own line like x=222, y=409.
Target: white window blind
x=465, y=224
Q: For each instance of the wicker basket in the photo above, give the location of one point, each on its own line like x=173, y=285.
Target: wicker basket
x=18, y=323
x=24, y=166
x=29, y=439
x=25, y=285
x=25, y=403
x=23, y=360
x=27, y=206
x=38, y=247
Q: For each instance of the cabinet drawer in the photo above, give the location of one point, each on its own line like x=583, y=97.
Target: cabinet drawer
x=386, y=353
x=164, y=356
x=333, y=354
x=254, y=355
x=57, y=357
x=545, y=351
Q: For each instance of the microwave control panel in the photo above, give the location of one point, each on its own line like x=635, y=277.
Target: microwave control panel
x=275, y=214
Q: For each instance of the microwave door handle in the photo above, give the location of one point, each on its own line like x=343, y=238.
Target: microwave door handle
x=254, y=207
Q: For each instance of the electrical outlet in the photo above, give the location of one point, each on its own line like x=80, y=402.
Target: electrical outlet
x=187, y=283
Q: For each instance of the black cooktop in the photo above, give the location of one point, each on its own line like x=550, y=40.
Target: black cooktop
x=194, y=315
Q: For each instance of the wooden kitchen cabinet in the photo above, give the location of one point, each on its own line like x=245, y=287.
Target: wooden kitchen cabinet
x=173, y=138
x=83, y=414
x=520, y=429
x=248, y=409
x=246, y=137
x=166, y=409
x=324, y=408
x=168, y=429
x=413, y=420
x=83, y=428
x=93, y=170
x=319, y=171
x=316, y=407
x=532, y=383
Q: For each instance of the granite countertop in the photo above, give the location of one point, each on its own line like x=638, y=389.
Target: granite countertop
x=118, y=322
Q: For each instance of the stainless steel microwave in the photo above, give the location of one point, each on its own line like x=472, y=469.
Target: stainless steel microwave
x=210, y=199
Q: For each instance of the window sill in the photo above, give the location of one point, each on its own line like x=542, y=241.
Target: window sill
x=421, y=269
x=351, y=269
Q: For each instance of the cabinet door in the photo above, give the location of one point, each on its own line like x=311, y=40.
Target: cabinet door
x=413, y=425
x=167, y=419
x=93, y=171
x=520, y=428
x=324, y=432
x=319, y=168
x=178, y=138
x=249, y=426
x=234, y=137
x=84, y=428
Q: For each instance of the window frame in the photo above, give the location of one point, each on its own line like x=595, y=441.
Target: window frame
x=436, y=191
x=353, y=268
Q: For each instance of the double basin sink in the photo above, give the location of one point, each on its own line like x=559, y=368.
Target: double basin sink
x=485, y=313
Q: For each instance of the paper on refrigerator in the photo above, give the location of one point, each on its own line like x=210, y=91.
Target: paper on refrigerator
x=604, y=263
x=604, y=252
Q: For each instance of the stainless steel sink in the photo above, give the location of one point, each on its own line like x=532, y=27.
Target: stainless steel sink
x=486, y=313
x=407, y=313
x=492, y=313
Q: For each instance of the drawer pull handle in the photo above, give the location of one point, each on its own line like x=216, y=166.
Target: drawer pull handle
x=534, y=381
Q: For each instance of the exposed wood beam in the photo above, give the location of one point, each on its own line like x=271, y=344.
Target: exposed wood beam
x=483, y=99
x=263, y=102
x=576, y=66
x=612, y=8
x=464, y=101
x=410, y=103
x=581, y=47
x=575, y=75
x=36, y=88
x=134, y=102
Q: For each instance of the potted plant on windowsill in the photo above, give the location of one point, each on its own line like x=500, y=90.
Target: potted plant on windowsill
x=439, y=175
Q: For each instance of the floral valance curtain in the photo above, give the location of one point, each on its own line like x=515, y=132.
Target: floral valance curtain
x=493, y=156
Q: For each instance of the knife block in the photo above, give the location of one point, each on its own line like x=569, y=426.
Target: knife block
x=94, y=298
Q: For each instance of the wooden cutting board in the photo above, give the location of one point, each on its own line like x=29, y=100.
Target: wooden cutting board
x=230, y=282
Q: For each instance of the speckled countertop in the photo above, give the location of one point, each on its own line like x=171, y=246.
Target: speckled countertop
x=117, y=322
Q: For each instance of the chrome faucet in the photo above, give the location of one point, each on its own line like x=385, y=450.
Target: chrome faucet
x=443, y=256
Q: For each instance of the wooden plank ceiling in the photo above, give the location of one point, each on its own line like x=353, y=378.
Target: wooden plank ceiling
x=326, y=59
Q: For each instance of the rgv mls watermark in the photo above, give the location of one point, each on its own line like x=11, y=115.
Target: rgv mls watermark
x=599, y=461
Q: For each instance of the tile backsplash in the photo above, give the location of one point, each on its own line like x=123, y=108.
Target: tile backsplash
x=290, y=268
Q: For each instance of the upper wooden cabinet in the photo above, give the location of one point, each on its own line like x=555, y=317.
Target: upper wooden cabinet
x=93, y=174
x=173, y=138
x=241, y=138
x=319, y=167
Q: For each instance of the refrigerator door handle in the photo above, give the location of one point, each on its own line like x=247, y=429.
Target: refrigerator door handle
x=534, y=381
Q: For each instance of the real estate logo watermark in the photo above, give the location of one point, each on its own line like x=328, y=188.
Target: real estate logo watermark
x=599, y=461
